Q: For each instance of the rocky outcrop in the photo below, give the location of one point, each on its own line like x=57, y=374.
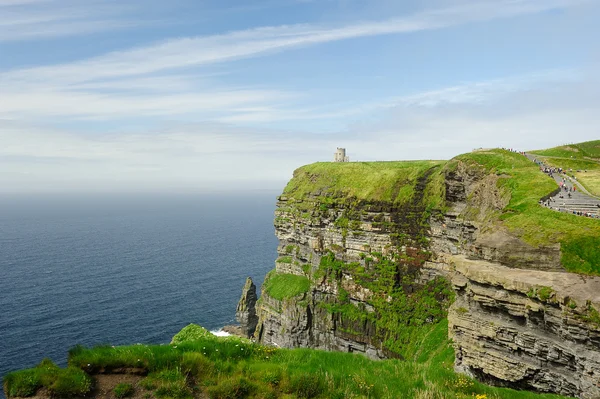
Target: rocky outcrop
x=306, y=322
x=532, y=330
x=246, y=309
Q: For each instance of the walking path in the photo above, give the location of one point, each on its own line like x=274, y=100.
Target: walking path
x=571, y=198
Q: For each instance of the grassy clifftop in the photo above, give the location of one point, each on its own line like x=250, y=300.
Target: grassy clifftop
x=392, y=182
x=585, y=150
x=518, y=178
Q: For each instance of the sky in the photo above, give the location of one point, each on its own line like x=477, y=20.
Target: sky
x=211, y=95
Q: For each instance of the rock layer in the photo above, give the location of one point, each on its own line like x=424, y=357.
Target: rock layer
x=246, y=309
x=304, y=321
x=526, y=329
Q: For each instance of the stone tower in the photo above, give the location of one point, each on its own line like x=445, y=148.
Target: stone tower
x=340, y=155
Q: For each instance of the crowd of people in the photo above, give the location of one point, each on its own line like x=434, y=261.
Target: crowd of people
x=565, y=190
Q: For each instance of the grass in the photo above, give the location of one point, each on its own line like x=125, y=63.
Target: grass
x=588, y=149
x=373, y=181
x=284, y=286
x=60, y=382
x=123, y=390
x=238, y=369
x=192, y=332
x=535, y=224
x=586, y=172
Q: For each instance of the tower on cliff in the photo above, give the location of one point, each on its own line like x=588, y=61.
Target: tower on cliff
x=340, y=155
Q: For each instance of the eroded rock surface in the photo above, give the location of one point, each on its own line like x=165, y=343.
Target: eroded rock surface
x=246, y=309
x=528, y=329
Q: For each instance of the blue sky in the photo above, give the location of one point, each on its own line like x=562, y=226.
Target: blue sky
x=185, y=95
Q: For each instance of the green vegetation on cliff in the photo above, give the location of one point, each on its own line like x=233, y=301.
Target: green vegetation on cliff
x=585, y=150
x=392, y=182
x=396, y=183
x=523, y=216
x=283, y=286
x=233, y=368
x=402, y=311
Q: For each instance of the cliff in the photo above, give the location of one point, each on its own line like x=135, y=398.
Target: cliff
x=371, y=256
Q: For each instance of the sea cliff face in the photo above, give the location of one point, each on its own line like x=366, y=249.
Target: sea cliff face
x=530, y=330
x=367, y=273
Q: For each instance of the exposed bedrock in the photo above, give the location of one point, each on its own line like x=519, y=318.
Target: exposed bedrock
x=246, y=309
x=527, y=329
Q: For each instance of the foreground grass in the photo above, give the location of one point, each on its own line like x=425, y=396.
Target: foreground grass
x=59, y=382
x=579, y=237
x=232, y=368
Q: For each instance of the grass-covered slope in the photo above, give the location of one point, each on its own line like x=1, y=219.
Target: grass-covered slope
x=580, y=160
x=585, y=150
x=196, y=365
x=282, y=286
x=524, y=217
x=392, y=182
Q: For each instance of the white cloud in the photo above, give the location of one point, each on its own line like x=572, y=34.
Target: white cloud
x=108, y=86
x=185, y=158
x=174, y=79
x=208, y=155
x=199, y=51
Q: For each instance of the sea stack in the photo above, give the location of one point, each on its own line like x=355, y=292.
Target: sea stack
x=246, y=309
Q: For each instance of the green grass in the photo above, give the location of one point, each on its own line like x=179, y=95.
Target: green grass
x=283, y=286
x=230, y=369
x=191, y=332
x=561, y=152
x=373, y=181
x=588, y=149
x=535, y=224
x=60, y=382
x=123, y=390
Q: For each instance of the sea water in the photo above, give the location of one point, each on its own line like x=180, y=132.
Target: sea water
x=116, y=270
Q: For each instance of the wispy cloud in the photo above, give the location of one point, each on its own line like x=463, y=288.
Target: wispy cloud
x=200, y=51
x=175, y=80
x=44, y=19
x=191, y=156
x=110, y=85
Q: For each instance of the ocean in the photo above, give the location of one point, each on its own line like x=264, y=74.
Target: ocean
x=119, y=270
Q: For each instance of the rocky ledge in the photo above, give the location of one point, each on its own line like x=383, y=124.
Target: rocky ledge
x=525, y=329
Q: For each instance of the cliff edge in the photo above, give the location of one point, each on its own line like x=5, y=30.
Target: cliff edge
x=374, y=255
